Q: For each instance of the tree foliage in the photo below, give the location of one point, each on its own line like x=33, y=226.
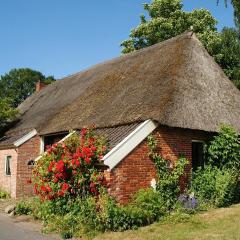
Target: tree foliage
x=168, y=19
x=19, y=84
x=224, y=150
x=15, y=87
x=230, y=52
x=7, y=113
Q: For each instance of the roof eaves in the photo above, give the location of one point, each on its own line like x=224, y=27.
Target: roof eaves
x=25, y=138
x=121, y=150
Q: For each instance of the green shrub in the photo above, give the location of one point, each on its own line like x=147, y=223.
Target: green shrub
x=219, y=187
x=4, y=194
x=204, y=183
x=227, y=188
x=144, y=210
x=24, y=207
x=224, y=149
x=84, y=216
x=78, y=218
x=151, y=201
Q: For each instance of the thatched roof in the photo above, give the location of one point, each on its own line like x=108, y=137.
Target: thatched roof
x=176, y=83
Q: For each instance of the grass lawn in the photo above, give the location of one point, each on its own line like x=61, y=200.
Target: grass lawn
x=219, y=224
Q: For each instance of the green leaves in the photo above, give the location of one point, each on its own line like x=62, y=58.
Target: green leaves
x=219, y=187
x=224, y=149
x=167, y=19
x=7, y=113
x=15, y=87
x=19, y=84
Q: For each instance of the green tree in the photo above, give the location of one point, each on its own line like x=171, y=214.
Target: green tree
x=168, y=19
x=19, y=84
x=224, y=149
x=7, y=113
x=230, y=52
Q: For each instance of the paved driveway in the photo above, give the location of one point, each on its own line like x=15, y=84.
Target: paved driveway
x=18, y=229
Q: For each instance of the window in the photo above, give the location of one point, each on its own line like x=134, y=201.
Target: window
x=50, y=140
x=197, y=155
x=8, y=165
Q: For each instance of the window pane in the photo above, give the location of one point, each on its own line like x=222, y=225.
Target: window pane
x=8, y=165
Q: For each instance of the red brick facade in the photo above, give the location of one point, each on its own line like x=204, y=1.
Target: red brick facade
x=26, y=152
x=137, y=170
x=134, y=172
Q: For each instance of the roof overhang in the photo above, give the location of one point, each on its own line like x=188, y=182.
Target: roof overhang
x=25, y=138
x=121, y=150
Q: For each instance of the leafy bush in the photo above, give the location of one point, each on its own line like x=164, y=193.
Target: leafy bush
x=147, y=206
x=4, y=194
x=204, y=183
x=216, y=186
x=24, y=207
x=86, y=216
x=224, y=149
x=227, y=188
x=150, y=201
x=80, y=218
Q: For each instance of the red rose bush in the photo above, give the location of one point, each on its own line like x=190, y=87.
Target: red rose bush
x=71, y=168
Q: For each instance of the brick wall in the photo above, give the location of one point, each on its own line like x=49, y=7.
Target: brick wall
x=28, y=151
x=8, y=183
x=136, y=171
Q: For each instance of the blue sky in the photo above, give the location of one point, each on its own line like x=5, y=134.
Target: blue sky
x=61, y=37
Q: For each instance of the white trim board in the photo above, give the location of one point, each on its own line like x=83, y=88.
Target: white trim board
x=25, y=138
x=121, y=150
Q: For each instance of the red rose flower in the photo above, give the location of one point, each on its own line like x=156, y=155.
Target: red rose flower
x=43, y=188
x=83, y=132
x=77, y=162
x=65, y=186
x=87, y=160
x=60, y=166
x=55, y=180
x=61, y=193
x=48, y=188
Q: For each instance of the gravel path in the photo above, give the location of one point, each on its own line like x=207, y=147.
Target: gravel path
x=18, y=228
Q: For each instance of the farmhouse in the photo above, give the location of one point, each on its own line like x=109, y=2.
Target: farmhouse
x=173, y=90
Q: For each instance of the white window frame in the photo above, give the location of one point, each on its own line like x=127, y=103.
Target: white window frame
x=10, y=165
